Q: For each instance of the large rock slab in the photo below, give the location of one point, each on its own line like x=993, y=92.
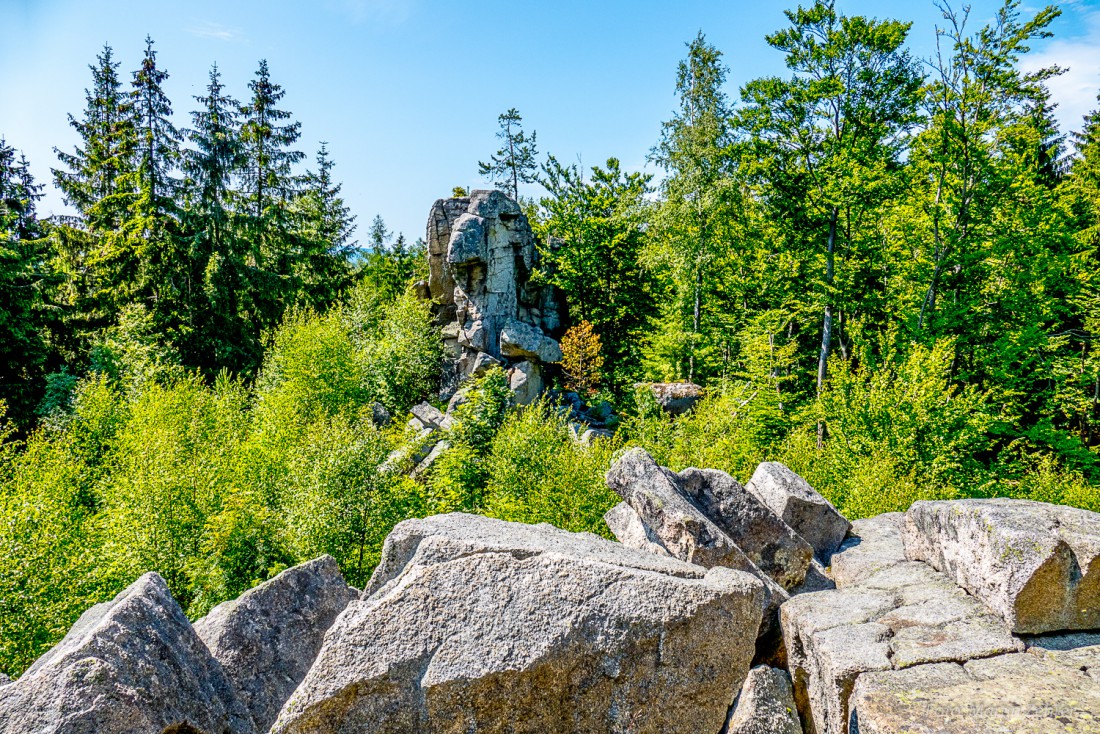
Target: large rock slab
x=873, y=544
x=894, y=617
x=441, y=538
x=799, y=505
x=1010, y=694
x=655, y=494
x=765, y=705
x=522, y=340
x=629, y=529
x=768, y=541
x=129, y=666
x=1035, y=564
x=476, y=633
x=267, y=638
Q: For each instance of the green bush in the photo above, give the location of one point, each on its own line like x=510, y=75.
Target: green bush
x=538, y=472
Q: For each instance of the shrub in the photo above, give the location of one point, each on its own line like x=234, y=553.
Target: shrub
x=539, y=473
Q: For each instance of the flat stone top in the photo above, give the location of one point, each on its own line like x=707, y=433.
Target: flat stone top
x=1024, y=693
x=457, y=533
x=1035, y=564
x=1011, y=517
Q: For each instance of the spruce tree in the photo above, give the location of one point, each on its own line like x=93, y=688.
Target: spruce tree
x=22, y=350
x=515, y=162
x=326, y=227
x=218, y=276
x=96, y=182
x=268, y=187
x=151, y=237
x=159, y=142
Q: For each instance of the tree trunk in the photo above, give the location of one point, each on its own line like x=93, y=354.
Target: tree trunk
x=827, y=322
x=695, y=321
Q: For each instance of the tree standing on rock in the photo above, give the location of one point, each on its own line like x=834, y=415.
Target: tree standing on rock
x=515, y=162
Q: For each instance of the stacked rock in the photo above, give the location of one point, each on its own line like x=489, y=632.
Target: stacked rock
x=481, y=256
x=777, y=527
x=961, y=617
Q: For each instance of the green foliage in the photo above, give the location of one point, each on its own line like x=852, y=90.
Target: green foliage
x=884, y=275
x=458, y=478
x=539, y=472
x=594, y=231
x=146, y=467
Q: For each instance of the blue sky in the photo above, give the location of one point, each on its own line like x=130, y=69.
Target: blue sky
x=407, y=92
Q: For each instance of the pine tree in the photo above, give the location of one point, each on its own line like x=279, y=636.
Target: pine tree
x=96, y=182
x=218, y=276
x=515, y=162
x=268, y=187
x=322, y=270
x=22, y=350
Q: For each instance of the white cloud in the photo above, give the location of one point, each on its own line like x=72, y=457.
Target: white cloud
x=1075, y=91
x=390, y=12
x=214, y=31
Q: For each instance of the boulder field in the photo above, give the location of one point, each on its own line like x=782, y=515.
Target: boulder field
x=743, y=609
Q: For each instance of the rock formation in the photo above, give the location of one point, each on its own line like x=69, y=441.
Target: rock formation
x=1037, y=565
x=481, y=254
x=471, y=624
x=765, y=704
x=267, y=639
x=658, y=497
x=675, y=398
x=129, y=666
x=796, y=503
x=1024, y=693
x=482, y=625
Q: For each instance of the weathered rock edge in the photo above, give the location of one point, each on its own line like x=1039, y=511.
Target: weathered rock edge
x=496, y=626
x=132, y=665
x=267, y=638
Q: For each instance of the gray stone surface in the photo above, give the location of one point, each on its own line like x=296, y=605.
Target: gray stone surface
x=525, y=341
x=445, y=537
x=629, y=529
x=379, y=415
x=429, y=460
x=799, y=505
x=817, y=579
x=267, y=638
x=768, y=541
x=654, y=493
x=431, y=417
x=1035, y=564
x=553, y=632
x=525, y=381
x=898, y=616
x=872, y=545
x=481, y=256
x=129, y=666
x=1008, y=694
x=765, y=705
x=675, y=398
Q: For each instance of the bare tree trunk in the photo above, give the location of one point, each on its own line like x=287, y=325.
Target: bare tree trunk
x=695, y=321
x=827, y=322
x=827, y=325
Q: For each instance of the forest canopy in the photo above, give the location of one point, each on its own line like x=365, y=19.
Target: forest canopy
x=883, y=269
